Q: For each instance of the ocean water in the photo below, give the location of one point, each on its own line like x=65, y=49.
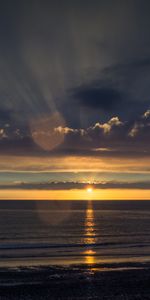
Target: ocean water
x=34, y=233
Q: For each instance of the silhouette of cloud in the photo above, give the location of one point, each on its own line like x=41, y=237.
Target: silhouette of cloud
x=77, y=185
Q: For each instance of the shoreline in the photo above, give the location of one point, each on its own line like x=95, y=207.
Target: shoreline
x=76, y=282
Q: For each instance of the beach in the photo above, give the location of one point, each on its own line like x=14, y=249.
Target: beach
x=76, y=282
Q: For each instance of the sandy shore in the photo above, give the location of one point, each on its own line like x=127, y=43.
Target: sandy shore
x=100, y=282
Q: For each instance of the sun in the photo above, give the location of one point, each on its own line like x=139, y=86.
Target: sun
x=89, y=190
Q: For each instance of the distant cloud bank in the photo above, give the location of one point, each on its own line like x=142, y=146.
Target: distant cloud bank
x=112, y=138
x=144, y=185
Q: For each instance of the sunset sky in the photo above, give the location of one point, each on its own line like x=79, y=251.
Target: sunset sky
x=75, y=99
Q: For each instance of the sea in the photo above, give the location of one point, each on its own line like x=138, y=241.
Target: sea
x=65, y=233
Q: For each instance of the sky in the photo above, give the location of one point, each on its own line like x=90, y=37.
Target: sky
x=74, y=99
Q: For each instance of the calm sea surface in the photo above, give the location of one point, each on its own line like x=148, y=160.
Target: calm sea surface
x=74, y=232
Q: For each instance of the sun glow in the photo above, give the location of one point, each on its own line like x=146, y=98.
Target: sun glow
x=89, y=189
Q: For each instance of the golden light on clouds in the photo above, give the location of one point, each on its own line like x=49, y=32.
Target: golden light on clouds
x=74, y=164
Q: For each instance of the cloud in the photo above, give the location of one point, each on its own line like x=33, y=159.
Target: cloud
x=5, y=115
x=146, y=115
x=135, y=130
x=141, y=128
x=104, y=98
x=72, y=61
x=3, y=134
x=116, y=136
x=145, y=185
x=126, y=138
x=107, y=127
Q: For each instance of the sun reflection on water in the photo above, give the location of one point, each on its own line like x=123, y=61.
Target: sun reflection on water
x=90, y=235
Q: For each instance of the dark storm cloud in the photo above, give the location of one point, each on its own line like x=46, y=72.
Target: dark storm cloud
x=98, y=97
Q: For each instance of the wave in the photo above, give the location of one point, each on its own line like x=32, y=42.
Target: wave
x=67, y=259
x=66, y=246
x=74, y=236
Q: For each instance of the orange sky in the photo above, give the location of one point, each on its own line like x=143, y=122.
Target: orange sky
x=74, y=163
x=105, y=194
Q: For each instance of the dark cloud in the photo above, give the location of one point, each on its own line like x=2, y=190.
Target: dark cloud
x=111, y=138
x=103, y=98
x=144, y=185
x=5, y=115
x=88, y=60
x=131, y=78
x=121, y=88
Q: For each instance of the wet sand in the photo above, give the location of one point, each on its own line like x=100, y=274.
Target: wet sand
x=76, y=282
